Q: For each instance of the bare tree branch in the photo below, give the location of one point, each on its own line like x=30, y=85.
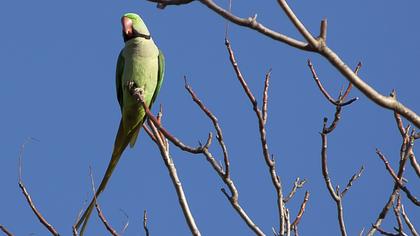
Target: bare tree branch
x=173, y=139
x=352, y=179
x=408, y=222
x=158, y=132
x=414, y=163
x=215, y=124
x=5, y=230
x=296, y=185
x=338, y=102
x=383, y=232
x=385, y=209
x=294, y=225
x=265, y=96
x=223, y=174
x=38, y=214
x=314, y=44
x=250, y=22
x=170, y=165
x=397, y=180
x=146, y=230
x=334, y=195
x=108, y=227
x=269, y=161
x=397, y=208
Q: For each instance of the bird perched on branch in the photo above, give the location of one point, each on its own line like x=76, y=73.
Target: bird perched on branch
x=141, y=62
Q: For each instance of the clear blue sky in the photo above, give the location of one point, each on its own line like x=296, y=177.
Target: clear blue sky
x=57, y=68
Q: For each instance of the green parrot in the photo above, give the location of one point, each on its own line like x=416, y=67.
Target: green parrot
x=141, y=62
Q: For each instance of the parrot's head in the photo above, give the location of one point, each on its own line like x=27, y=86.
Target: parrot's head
x=133, y=27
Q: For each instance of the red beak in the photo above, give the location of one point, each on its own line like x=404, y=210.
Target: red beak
x=127, y=25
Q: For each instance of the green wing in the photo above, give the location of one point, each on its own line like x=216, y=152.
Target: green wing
x=161, y=72
x=118, y=78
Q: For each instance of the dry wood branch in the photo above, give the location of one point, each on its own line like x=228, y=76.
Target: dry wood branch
x=384, y=212
x=340, y=101
x=216, y=125
x=385, y=209
x=314, y=44
x=269, y=161
x=38, y=214
x=74, y=231
x=170, y=165
x=334, y=195
x=223, y=174
x=383, y=232
x=146, y=230
x=158, y=132
x=5, y=230
x=136, y=93
x=108, y=227
x=296, y=185
x=414, y=163
x=352, y=179
x=294, y=225
x=398, y=119
x=397, y=208
x=265, y=96
x=408, y=222
x=350, y=85
x=250, y=22
x=403, y=132
x=397, y=180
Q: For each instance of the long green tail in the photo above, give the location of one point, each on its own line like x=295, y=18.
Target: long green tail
x=121, y=142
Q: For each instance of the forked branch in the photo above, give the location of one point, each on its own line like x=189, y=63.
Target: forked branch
x=224, y=174
x=158, y=135
x=275, y=179
x=316, y=44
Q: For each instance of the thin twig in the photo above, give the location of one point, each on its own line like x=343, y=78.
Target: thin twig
x=110, y=229
x=352, y=179
x=383, y=232
x=265, y=96
x=340, y=102
x=224, y=174
x=275, y=179
x=146, y=230
x=124, y=228
x=296, y=185
x=216, y=125
x=397, y=180
x=414, y=163
x=295, y=223
x=38, y=214
x=350, y=85
x=5, y=230
x=397, y=208
x=385, y=209
x=408, y=222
